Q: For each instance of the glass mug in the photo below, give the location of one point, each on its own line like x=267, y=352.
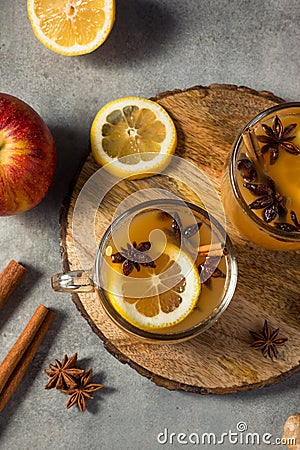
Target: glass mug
x=286, y=168
x=164, y=217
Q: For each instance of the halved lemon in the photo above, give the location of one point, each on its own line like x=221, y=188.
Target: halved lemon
x=71, y=27
x=162, y=299
x=133, y=137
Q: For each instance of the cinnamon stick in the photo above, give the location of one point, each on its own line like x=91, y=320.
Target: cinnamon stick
x=9, y=280
x=24, y=348
x=216, y=249
x=22, y=366
x=254, y=151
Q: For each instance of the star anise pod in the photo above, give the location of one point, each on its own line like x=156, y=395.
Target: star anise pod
x=271, y=201
x=186, y=232
x=82, y=391
x=267, y=341
x=288, y=226
x=210, y=270
x=63, y=374
x=133, y=257
x=247, y=169
x=278, y=137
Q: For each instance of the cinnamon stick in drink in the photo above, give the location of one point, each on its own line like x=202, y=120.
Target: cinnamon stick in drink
x=9, y=280
x=216, y=249
x=253, y=148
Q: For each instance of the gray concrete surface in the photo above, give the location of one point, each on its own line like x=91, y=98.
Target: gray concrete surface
x=155, y=45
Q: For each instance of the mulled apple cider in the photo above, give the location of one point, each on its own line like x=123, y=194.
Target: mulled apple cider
x=166, y=270
x=261, y=182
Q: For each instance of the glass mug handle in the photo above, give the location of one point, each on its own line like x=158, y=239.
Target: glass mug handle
x=75, y=281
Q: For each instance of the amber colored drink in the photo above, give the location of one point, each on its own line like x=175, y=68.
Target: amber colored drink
x=168, y=227
x=261, y=190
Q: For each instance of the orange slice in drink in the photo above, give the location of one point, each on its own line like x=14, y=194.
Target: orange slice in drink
x=162, y=298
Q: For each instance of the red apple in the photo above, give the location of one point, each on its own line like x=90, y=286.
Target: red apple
x=27, y=156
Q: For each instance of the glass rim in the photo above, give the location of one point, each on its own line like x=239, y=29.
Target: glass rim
x=280, y=235
x=229, y=287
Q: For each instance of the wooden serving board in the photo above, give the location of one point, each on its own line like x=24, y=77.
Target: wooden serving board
x=221, y=360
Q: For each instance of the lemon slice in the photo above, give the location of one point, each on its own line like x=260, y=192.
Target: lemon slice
x=164, y=298
x=133, y=137
x=71, y=27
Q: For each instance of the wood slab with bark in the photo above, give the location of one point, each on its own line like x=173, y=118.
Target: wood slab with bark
x=221, y=360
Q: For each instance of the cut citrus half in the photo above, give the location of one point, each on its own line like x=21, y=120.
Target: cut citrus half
x=71, y=27
x=133, y=137
x=162, y=299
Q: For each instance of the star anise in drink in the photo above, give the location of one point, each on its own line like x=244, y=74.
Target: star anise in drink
x=209, y=270
x=271, y=201
x=267, y=341
x=278, y=138
x=133, y=256
x=247, y=169
x=63, y=374
x=81, y=391
x=288, y=226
